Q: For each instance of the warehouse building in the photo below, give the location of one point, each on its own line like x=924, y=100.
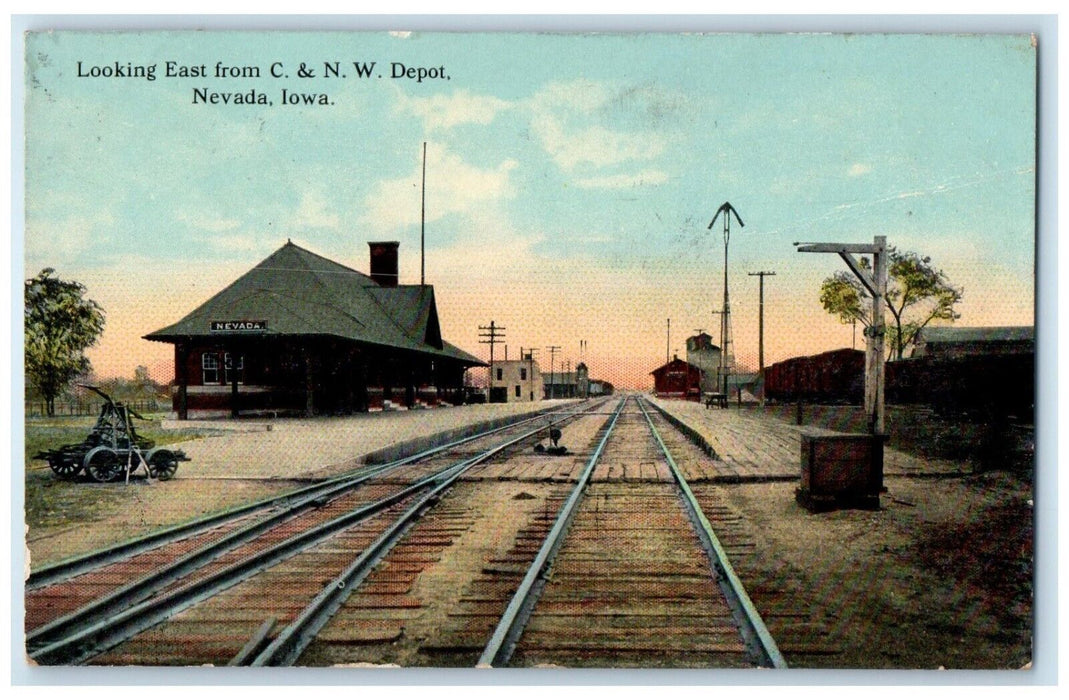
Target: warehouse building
x=946, y=342
x=515, y=381
x=301, y=334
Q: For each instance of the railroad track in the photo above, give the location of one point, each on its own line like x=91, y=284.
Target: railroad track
x=503, y=556
x=623, y=579
x=71, y=607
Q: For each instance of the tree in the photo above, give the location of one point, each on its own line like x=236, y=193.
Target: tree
x=60, y=325
x=917, y=294
x=143, y=381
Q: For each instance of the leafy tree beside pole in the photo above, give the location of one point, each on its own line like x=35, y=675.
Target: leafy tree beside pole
x=60, y=325
x=917, y=294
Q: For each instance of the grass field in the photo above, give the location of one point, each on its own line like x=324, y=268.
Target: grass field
x=53, y=501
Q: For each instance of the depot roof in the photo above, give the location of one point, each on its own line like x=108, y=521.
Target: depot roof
x=294, y=292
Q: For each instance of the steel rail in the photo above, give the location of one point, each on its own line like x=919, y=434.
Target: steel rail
x=137, y=591
x=503, y=642
x=81, y=644
x=295, y=638
x=755, y=634
x=75, y=566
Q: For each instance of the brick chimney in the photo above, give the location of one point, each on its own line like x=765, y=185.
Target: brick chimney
x=384, y=262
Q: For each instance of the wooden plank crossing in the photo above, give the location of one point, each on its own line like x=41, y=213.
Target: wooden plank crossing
x=752, y=446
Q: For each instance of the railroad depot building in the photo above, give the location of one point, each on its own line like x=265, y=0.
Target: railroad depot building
x=678, y=379
x=300, y=334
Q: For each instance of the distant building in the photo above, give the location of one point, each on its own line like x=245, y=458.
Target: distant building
x=302, y=334
x=746, y=382
x=600, y=387
x=582, y=380
x=944, y=342
x=702, y=354
x=678, y=380
x=575, y=385
x=565, y=385
x=515, y=381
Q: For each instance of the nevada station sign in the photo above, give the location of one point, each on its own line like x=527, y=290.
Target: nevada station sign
x=237, y=326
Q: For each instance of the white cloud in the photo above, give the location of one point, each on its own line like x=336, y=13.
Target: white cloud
x=204, y=222
x=312, y=213
x=440, y=112
x=579, y=96
x=566, y=118
x=511, y=257
x=575, y=122
x=453, y=186
x=54, y=242
x=859, y=169
x=596, y=146
x=235, y=243
x=624, y=180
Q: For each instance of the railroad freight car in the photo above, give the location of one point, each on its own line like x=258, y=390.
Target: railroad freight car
x=834, y=377
x=976, y=385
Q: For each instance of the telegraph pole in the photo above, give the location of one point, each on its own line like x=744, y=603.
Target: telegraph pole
x=552, y=355
x=761, y=320
x=422, y=221
x=668, y=343
x=494, y=334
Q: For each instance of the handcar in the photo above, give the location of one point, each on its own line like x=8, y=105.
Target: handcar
x=113, y=449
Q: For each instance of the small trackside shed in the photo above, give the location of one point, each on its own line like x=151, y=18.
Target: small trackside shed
x=301, y=334
x=678, y=380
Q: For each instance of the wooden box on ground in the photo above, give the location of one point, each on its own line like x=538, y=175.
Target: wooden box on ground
x=840, y=470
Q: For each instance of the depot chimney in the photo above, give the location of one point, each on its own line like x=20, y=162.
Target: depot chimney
x=384, y=262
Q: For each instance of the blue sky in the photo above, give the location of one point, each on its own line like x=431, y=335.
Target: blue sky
x=570, y=178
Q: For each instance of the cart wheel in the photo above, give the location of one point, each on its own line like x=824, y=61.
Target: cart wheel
x=105, y=466
x=162, y=465
x=64, y=469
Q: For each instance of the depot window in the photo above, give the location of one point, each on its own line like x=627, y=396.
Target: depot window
x=499, y=373
x=230, y=369
x=523, y=373
x=209, y=368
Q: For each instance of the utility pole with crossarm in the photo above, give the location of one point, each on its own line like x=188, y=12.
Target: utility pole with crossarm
x=552, y=355
x=494, y=334
x=761, y=320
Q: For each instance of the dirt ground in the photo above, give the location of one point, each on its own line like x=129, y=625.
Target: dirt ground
x=940, y=576
x=231, y=462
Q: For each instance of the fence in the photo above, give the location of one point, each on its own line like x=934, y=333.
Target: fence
x=89, y=408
